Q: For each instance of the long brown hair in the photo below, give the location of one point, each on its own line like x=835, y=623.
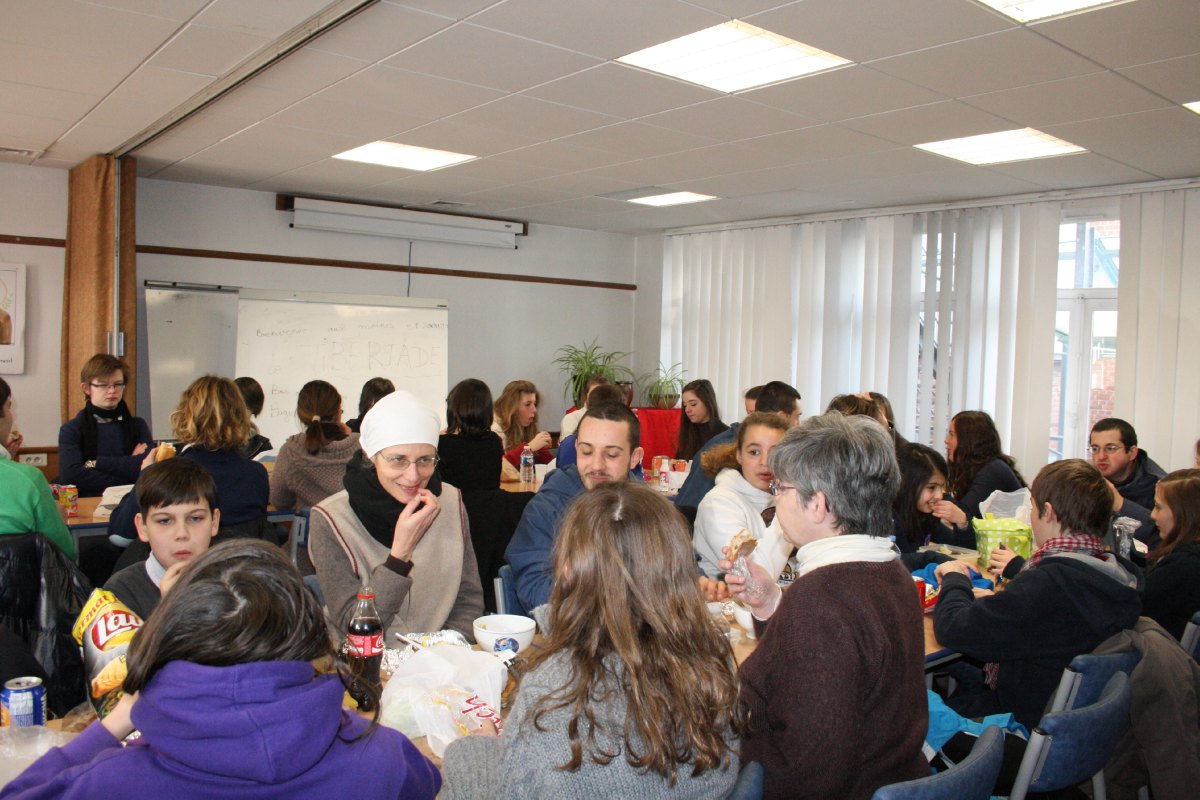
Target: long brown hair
x=978, y=444
x=1180, y=493
x=692, y=436
x=626, y=591
x=725, y=456
x=506, y=413
x=319, y=407
x=212, y=413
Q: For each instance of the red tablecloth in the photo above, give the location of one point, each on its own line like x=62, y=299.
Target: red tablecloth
x=660, y=433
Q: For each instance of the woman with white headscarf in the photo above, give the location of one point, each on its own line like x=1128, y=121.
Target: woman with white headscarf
x=392, y=529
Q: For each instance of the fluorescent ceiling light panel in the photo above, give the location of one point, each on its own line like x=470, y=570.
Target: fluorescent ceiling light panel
x=404, y=156
x=733, y=56
x=1193, y=106
x=1002, y=147
x=1030, y=10
x=672, y=199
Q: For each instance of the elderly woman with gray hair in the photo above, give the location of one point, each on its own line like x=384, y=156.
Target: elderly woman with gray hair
x=398, y=530
x=835, y=689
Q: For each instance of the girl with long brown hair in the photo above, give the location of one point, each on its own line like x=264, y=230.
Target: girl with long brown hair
x=978, y=467
x=516, y=412
x=699, y=418
x=1173, y=575
x=311, y=464
x=634, y=693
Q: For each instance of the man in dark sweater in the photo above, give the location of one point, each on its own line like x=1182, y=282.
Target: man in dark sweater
x=835, y=690
x=1068, y=598
x=1130, y=472
x=179, y=517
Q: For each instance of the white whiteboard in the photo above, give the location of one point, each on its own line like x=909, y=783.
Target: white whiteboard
x=285, y=340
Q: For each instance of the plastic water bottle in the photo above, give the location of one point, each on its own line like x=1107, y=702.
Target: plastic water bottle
x=528, y=473
x=364, y=650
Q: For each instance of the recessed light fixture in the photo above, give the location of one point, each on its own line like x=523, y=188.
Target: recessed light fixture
x=1030, y=10
x=998, y=148
x=672, y=199
x=733, y=56
x=1193, y=106
x=404, y=156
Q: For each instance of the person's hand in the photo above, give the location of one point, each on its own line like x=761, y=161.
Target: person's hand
x=1118, y=500
x=170, y=576
x=998, y=559
x=140, y=448
x=761, y=604
x=539, y=442
x=413, y=523
x=150, y=458
x=947, y=511
x=119, y=722
x=714, y=590
x=488, y=728
x=951, y=566
x=13, y=445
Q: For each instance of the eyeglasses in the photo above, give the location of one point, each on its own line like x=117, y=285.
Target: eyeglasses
x=778, y=488
x=402, y=463
x=1110, y=449
x=120, y=387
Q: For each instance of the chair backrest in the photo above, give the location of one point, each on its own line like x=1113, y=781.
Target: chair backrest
x=506, y=593
x=299, y=537
x=1191, y=637
x=970, y=779
x=749, y=784
x=1088, y=674
x=1068, y=747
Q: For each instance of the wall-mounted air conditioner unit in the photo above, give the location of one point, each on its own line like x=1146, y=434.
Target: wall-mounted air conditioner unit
x=402, y=223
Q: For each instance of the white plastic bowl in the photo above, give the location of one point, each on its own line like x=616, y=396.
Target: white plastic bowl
x=497, y=632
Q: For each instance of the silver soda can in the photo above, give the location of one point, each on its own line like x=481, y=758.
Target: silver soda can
x=23, y=703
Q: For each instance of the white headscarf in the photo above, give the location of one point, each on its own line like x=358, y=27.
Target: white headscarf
x=398, y=418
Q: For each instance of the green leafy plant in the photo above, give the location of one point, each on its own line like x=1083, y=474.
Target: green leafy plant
x=580, y=363
x=663, y=386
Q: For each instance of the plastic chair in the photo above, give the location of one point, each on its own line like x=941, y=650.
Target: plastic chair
x=299, y=531
x=1068, y=747
x=749, y=784
x=970, y=779
x=1191, y=637
x=1086, y=676
x=507, y=601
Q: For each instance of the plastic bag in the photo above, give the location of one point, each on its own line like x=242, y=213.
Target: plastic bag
x=446, y=713
x=20, y=747
x=1009, y=505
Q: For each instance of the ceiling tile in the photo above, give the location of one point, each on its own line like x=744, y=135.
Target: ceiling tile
x=335, y=112
x=484, y=57
x=1124, y=139
x=331, y=176
x=268, y=18
x=861, y=30
x=1072, y=172
x=448, y=134
x=207, y=51
x=843, y=93
x=1177, y=79
x=37, y=101
x=178, y=10
x=378, y=32
x=1130, y=33
x=68, y=71
x=562, y=157
x=622, y=91
x=1087, y=97
x=635, y=140
x=950, y=119
x=29, y=131
x=450, y=9
x=304, y=72
x=603, y=28
x=274, y=148
x=580, y=183
x=424, y=95
x=147, y=95
x=990, y=63
x=501, y=170
x=521, y=114
x=729, y=119
x=214, y=173
x=122, y=38
x=516, y=196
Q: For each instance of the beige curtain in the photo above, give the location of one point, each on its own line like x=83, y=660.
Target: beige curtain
x=91, y=272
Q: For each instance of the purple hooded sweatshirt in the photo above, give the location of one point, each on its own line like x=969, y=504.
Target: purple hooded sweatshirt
x=259, y=730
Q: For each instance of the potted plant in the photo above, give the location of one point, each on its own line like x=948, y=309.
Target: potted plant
x=580, y=363
x=663, y=386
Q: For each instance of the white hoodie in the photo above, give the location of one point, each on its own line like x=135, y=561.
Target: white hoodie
x=733, y=504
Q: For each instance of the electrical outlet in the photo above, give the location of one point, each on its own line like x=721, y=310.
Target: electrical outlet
x=34, y=459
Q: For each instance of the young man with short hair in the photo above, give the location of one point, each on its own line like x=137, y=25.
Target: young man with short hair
x=179, y=519
x=1064, y=601
x=1130, y=472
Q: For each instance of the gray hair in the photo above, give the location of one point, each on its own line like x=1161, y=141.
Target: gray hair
x=851, y=460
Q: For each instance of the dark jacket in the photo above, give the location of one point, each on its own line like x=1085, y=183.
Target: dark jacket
x=470, y=462
x=532, y=543
x=114, y=466
x=1139, y=486
x=1065, y=606
x=1173, y=589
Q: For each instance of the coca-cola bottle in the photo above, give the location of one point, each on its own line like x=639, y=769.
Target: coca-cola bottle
x=364, y=650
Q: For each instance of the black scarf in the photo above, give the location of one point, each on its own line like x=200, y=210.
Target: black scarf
x=375, y=508
x=89, y=427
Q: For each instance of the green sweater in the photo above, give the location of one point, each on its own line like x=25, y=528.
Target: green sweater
x=27, y=505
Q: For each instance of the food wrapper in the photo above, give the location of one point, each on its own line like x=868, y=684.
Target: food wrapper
x=446, y=713
x=430, y=638
x=991, y=532
x=104, y=629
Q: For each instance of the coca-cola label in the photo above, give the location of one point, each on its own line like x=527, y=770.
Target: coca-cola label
x=112, y=624
x=364, y=645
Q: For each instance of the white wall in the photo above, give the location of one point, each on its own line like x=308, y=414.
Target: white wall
x=647, y=314
x=499, y=330
x=33, y=202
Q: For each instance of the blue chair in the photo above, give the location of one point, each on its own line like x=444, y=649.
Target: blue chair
x=1087, y=675
x=749, y=784
x=507, y=601
x=970, y=779
x=299, y=531
x=1068, y=747
x=1191, y=637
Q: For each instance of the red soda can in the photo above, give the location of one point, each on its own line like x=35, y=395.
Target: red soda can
x=23, y=703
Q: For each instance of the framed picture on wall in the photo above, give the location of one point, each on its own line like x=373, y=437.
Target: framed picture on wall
x=12, y=319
